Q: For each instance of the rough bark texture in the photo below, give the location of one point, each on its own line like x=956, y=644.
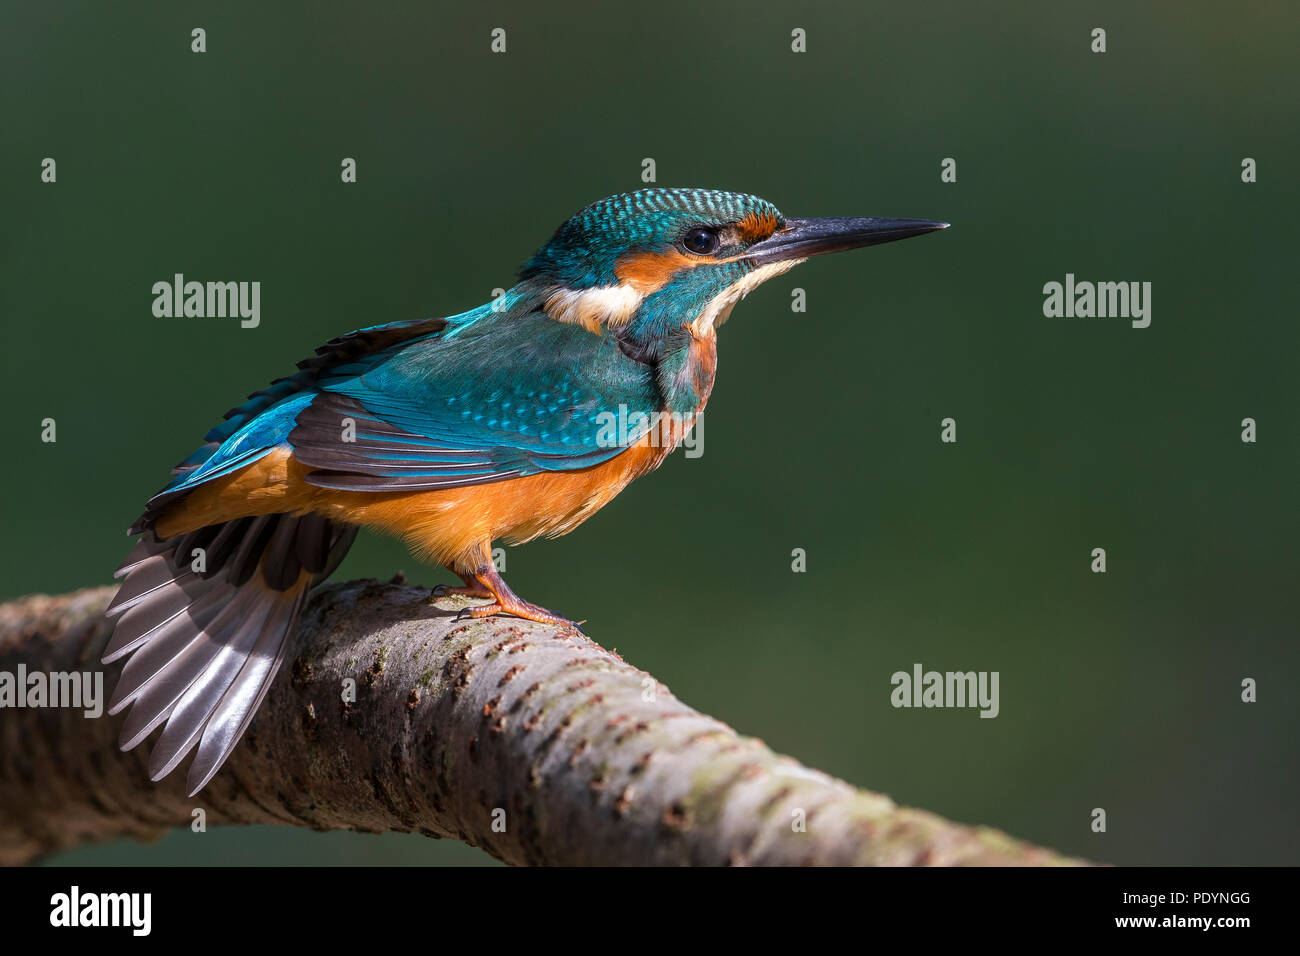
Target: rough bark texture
x=457, y=725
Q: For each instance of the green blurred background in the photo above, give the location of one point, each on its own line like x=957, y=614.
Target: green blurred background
x=1118, y=690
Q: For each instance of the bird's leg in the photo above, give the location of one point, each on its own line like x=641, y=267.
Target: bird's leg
x=472, y=588
x=505, y=601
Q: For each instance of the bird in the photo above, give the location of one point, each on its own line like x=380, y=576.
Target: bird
x=450, y=433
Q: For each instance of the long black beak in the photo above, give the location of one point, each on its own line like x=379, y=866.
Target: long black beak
x=801, y=238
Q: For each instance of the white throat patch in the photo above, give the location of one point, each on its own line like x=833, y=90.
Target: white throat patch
x=609, y=306
x=720, y=306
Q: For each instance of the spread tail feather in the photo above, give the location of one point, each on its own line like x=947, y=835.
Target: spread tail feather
x=206, y=637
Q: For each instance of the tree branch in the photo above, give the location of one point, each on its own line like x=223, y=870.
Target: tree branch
x=533, y=743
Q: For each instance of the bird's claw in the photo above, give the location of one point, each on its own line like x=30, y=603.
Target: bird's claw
x=522, y=609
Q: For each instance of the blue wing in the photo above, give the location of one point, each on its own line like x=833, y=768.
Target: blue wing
x=438, y=403
x=487, y=402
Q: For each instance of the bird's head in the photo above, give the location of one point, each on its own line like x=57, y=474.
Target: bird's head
x=660, y=264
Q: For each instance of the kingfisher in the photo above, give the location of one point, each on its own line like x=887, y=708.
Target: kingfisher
x=451, y=433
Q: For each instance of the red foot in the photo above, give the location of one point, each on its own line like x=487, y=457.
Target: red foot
x=489, y=584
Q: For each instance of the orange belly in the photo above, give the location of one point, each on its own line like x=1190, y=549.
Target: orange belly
x=454, y=527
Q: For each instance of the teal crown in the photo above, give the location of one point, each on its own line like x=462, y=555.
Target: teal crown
x=584, y=250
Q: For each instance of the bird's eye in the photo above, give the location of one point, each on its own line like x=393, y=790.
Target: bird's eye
x=701, y=241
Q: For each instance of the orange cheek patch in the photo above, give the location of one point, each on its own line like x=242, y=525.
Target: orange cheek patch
x=757, y=226
x=649, y=272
